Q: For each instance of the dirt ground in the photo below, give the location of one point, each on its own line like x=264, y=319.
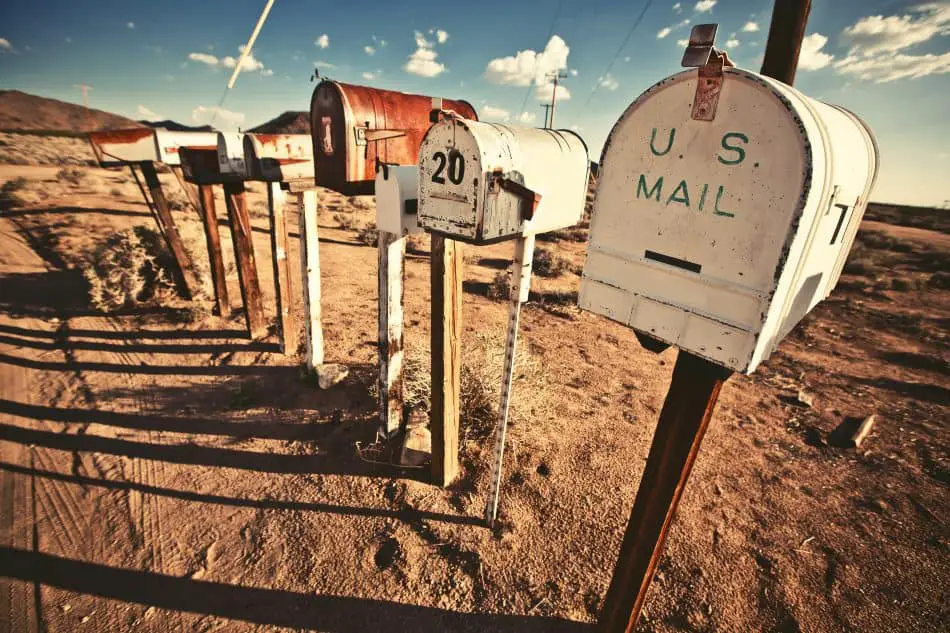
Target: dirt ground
x=161, y=472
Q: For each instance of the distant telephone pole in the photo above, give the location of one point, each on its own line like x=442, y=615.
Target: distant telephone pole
x=556, y=76
x=85, y=93
x=547, y=110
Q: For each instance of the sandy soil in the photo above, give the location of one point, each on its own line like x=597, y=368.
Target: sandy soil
x=159, y=471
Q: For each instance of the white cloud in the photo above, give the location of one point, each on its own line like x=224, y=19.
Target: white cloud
x=204, y=58
x=704, y=6
x=491, y=112
x=627, y=58
x=681, y=43
x=5, y=44
x=369, y=76
x=130, y=25
x=527, y=118
x=678, y=7
x=750, y=27
x=423, y=62
x=441, y=36
x=267, y=72
x=576, y=127
x=147, y=114
x=883, y=69
x=204, y=114
x=529, y=67
x=369, y=50
x=323, y=64
x=878, y=34
x=609, y=82
x=544, y=92
x=811, y=56
x=322, y=42
x=732, y=43
x=663, y=32
x=383, y=42
x=573, y=72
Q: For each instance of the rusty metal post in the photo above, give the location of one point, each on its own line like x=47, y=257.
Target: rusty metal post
x=242, y=235
x=694, y=390
x=789, y=19
x=446, y=343
x=213, y=239
x=184, y=276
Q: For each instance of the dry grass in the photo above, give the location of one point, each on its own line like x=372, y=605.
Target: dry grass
x=362, y=202
x=368, y=235
x=499, y=288
x=9, y=197
x=548, y=263
x=130, y=268
x=72, y=175
x=346, y=221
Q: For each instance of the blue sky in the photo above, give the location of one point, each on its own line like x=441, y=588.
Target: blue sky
x=886, y=60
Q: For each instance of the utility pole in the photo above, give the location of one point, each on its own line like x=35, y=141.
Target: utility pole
x=85, y=93
x=789, y=18
x=547, y=111
x=556, y=76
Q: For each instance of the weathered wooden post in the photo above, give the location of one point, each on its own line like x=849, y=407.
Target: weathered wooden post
x=310, y=276
x=209, y=219
x=183, y=272
x=242, y=236
x=720, y=256
x=481, y=184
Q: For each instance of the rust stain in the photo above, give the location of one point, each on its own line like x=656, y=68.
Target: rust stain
x=120, y=137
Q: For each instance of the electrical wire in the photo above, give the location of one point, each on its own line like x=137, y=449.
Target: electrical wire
x=557, y=13
x=626, y=40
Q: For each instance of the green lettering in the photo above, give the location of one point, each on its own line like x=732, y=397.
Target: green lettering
x=685, y=197
x=702, y=197
x=657, y=188
x=718, y=211
x=669, y=143
x=740, y=152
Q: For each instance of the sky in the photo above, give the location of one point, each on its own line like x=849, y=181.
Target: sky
x=886, y=60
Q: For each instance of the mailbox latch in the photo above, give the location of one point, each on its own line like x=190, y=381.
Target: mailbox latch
x=529, y=199
x=702, y=53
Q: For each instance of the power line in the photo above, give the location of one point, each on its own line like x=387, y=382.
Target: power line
x=610, y=66
x=557, y=12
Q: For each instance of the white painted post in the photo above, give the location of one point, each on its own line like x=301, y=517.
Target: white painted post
x=310, y=277
x=392, y=250
x=520, y=288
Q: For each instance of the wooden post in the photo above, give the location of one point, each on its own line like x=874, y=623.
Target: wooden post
x=286, y=324
x=191, y=191
x=446, y=282
x=242, y=237
x=310, y=277
x=392, y=249
x=789, y=19
x=689, y=405
x=184, y=276
x=213, y=239
x=518, y=293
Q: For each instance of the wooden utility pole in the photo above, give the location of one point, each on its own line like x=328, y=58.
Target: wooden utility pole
x=547, y=112
x=789, y=19
x=243, y=238
x=556, y=76
x=690, y=401
x=286, y=323
x=209, y=219
x=446, y=282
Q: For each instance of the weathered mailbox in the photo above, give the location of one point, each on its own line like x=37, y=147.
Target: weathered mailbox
x=119, y=148
x=230, y=147
x=353, y=126
x=726, y=206
x=169, y=142
x=397, y=192
x=279, y=157
x=201, y=167
x=485, y=182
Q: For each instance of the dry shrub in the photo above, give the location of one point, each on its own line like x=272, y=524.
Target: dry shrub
x=418, y=244
x=499, y=288
x=8, y=193
x=362, y=202
x=71, y=175
x=368, y=235
x=116, y=192
x=548, y=263
x=480, y=384
x=940, y=280
x=345, y=221
x=131, y=267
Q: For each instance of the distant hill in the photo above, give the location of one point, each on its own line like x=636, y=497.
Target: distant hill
x=175, y=126
x=287, y=123
x=25, y=112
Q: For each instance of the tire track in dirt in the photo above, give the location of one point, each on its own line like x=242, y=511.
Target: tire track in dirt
x=19, y=601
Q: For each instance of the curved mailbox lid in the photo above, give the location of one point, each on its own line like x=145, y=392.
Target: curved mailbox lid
x=353, y=125
x=201, y=167
x=230, y=147
x=717, y=236
x=279, y=157
x=168, y=142
x=485, y=182
x=118, y=148
x=397, y=191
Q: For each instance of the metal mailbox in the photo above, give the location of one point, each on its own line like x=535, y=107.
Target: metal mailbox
x=485, y=182
x=201, y=167
x=726, y=206
x=230, y=147
x=118, y=148
x=279, y=157
x=353, y=126
x=397, y=192
x=169, y=142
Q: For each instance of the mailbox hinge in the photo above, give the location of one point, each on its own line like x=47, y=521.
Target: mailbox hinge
x=701, y=53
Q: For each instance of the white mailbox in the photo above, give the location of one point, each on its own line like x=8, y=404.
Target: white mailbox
x=485, y=182
x=279, y=157
x=726, y=205
x=231, y=154
x=118, y=148
x=169, y=142
x=397, y=193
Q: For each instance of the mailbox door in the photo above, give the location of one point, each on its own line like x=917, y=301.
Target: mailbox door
x=120, y=147
x=201, y=167
x=231, y=154
x=168, y=143
x=279, y=157
x=452, y=180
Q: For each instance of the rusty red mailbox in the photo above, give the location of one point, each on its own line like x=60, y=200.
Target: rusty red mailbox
x=353, y=126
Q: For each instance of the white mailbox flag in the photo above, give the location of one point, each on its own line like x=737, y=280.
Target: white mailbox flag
x=718, y=233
